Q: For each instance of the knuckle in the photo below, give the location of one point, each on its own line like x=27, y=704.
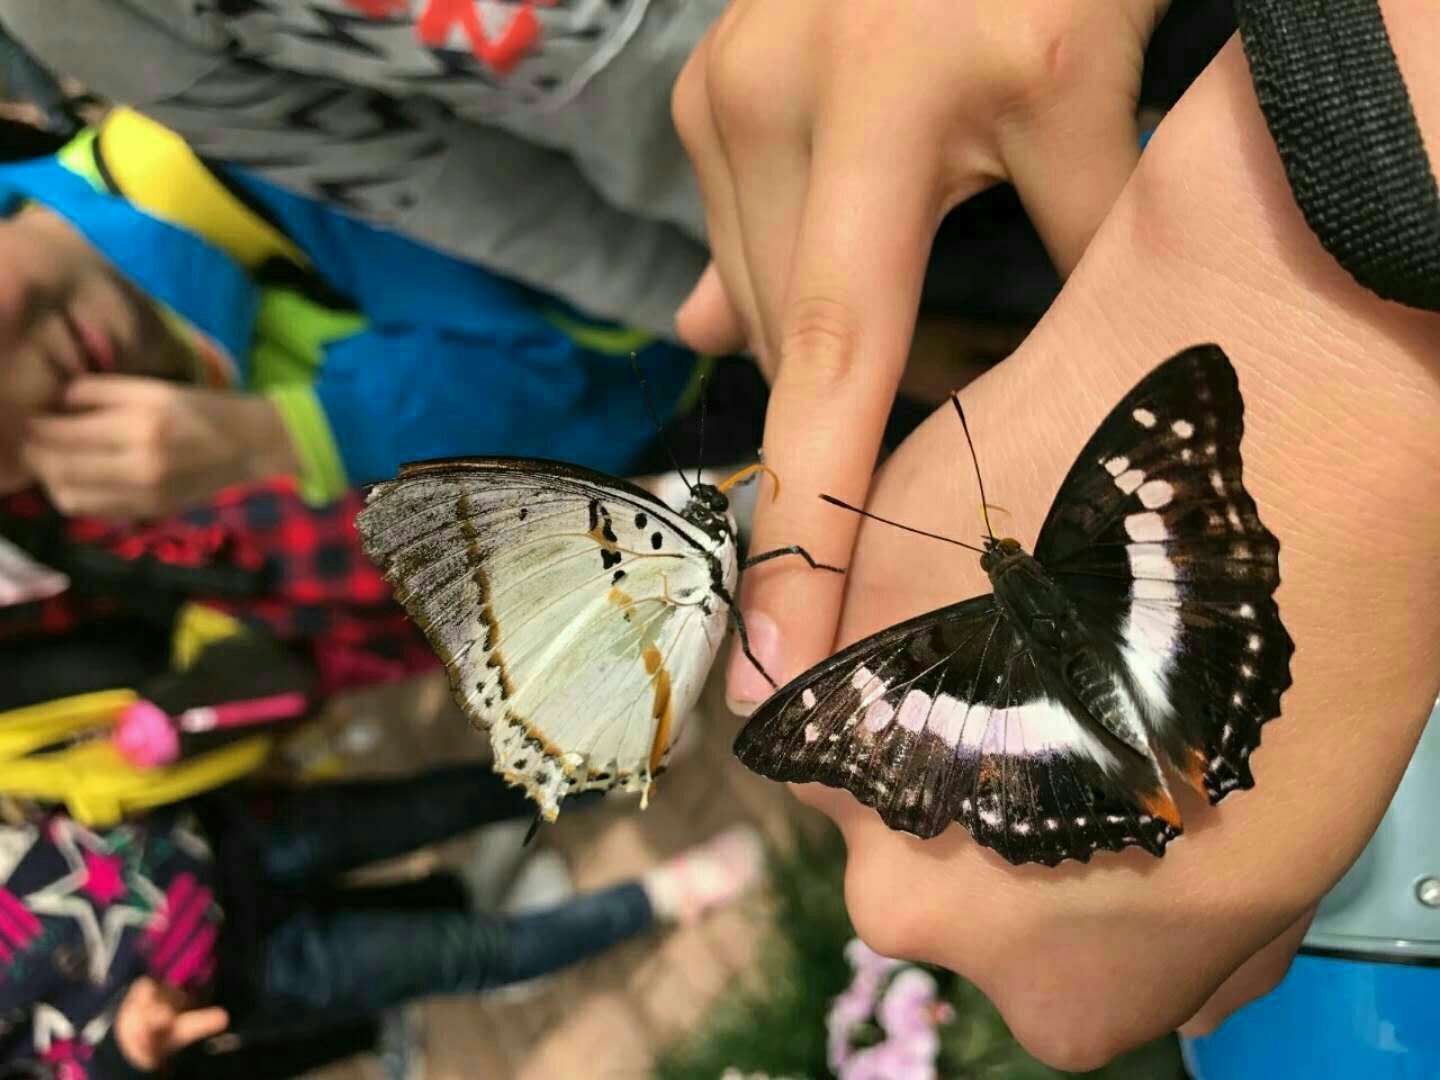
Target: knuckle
x=688, y=104
x=1042, y=56
x=819, y=343
x=742, y=90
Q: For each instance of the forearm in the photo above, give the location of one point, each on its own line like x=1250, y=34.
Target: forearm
x=1341, y=454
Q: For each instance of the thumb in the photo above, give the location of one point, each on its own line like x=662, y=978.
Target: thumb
x=707, y=321
x=107, y=391
x=1091, y=141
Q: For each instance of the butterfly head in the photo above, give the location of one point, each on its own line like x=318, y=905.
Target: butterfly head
x=709, y=509
x=998, y=551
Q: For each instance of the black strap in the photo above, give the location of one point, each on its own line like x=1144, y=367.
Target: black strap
x=1338, y=110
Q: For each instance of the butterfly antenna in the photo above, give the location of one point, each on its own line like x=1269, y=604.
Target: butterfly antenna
x=704, y=408
x=659, y=427
x=984, y=506
x=534, y=828
x=886, y=521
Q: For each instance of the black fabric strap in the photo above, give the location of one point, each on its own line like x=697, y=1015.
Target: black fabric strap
x=1338, y=110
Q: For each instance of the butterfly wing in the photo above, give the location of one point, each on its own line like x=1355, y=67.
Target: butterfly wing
x=575, y=613
x=1156, y=540
x=946, y=718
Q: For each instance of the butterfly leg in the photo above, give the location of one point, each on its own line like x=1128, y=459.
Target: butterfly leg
x=739, y=621
x=534, y=828
x=793, y=549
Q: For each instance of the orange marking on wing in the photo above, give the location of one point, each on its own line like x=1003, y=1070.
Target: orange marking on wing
x=1194, y=770
x=1160, y=805
x=660, y=711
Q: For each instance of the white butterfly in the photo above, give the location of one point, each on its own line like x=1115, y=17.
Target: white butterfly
x=577, y=614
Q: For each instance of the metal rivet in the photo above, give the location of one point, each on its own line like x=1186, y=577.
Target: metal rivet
x=1427, y=891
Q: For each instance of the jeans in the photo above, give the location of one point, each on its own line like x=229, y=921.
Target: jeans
x=359, y=950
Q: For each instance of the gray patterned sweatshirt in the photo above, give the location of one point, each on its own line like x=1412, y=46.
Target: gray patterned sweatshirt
x=530, y=136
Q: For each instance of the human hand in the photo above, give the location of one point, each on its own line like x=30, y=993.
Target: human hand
x=830, y=137
x=155, y=1022
x=1205, y=244
x=133, y=447
x=28, y=384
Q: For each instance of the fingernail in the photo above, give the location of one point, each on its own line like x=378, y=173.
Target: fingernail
x=745, y=687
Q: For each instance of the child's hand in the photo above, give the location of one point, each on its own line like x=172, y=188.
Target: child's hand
x=156, y=1022
x=830, y=137
x=29, y=383
x=134, y=447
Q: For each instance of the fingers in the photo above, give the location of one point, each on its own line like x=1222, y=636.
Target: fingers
x=195, y=1025
x=99, y=391
x=845, y=332
x=766, y=139
x=144, y=996
x=1070, y=161
x=707, y=321
x=695, y=123
x=91, y=461
x=100, y=430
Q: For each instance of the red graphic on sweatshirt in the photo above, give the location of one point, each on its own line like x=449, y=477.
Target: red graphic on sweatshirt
x=501, y=53
x=441, y=16
x=381, y=9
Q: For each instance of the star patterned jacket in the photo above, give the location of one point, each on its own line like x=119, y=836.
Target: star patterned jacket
x=83, y=914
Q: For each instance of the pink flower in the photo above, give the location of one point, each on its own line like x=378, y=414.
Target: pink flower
x=908, y=1013
x=889, y=1061
x=855, y=1005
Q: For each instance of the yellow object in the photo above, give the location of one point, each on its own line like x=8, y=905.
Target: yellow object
x=100, y=788
x=154, y=169
x=196, y=628
x=96, y=784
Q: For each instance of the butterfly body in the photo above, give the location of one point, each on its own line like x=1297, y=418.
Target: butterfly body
x=1141, y=640
x=1069, y=659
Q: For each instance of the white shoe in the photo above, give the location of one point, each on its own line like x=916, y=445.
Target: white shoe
x=543, y=881
x=493, y=863
x=709, y=875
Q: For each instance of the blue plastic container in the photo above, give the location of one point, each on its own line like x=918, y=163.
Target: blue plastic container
x=1362, y=1001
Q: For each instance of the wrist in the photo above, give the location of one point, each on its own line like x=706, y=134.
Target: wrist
x=268, y=449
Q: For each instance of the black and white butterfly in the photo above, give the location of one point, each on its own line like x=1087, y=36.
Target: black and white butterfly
x=577, y=614
x=1141, y=634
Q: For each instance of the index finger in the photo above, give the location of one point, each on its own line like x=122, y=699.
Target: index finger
x=102, y=429
x=848, y=317
x=197, y=1024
